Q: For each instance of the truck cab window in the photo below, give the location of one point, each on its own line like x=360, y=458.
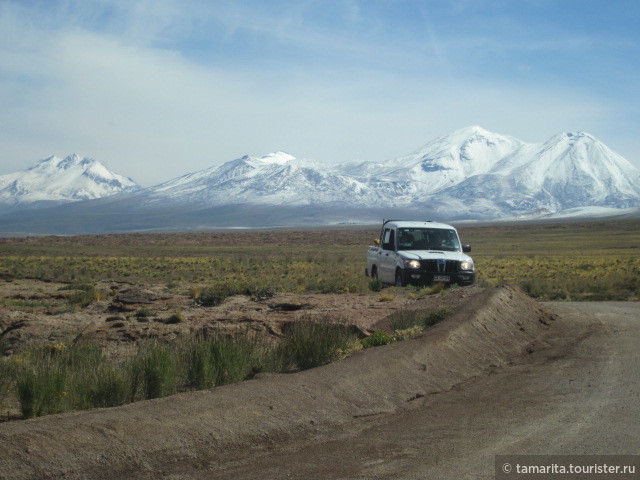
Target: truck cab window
x=388, y=242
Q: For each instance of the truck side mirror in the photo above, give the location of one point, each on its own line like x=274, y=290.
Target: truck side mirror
x=376, y=242
x=466, y=248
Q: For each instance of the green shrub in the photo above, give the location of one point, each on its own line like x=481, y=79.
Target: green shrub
x=7, y=377
x=376, y=339
x=268, y=357
x=211, y=296
x=375, y=285
x=78, y=357
x=434, y=317
x=94, y=381
x=436, y=288
x=107, y=385
x=221, y=359
x=83, y=295
x=403, y=319
x=263, y=293
x=533, y=287
x=407, y=319
x=144, y=313
x=177, y=317
x=200, y=369
x=42, y=385
x=56, y=378
x=233, y=357
x=154, y=369
x=310, y=343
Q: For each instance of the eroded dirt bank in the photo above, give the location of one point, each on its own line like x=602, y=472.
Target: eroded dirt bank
x=145, y=439
x=573, y=393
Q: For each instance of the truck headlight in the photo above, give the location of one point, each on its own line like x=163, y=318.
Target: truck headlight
x=412, y=264
x=466, y=265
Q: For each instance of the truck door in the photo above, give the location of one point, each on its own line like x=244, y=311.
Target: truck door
x=387, y=264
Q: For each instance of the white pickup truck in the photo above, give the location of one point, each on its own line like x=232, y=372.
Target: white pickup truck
x=419, y=253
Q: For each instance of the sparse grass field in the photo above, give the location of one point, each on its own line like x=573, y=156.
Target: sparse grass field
x=561, y=261
x=573, y=261
x=323, y=268
x=568, y=261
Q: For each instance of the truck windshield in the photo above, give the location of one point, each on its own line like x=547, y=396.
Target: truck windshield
x=428, y=239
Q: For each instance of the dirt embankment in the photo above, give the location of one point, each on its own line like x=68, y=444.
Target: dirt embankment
x=139, y=440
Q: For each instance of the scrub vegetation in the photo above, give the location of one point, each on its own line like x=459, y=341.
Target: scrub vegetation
x=569, y=261
x=561, y=261
x=55, y=378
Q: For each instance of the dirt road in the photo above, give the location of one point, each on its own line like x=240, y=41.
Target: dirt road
x=578, y=394
x=499, y=377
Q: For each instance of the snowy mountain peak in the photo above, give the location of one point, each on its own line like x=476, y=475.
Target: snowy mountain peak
x=60, y=180
x=475, y=134
x=75, y=159
x=55, y=163
x=277, y=178
x=474, y=146
x=570, y=170
x=279, y=158
x=448, y=160
x=580, y=148
x=572, y=137
x=471, y=131
x=578, y=135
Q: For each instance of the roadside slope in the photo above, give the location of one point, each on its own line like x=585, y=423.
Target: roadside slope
x=573, y=393
x=137, y=440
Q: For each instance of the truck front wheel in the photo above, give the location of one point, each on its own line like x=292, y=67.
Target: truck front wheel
x=400, y=279
x=374, y=272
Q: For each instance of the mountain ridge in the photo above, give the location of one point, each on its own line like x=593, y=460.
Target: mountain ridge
x=470, y=174
x=277, y=178
x=55, y=180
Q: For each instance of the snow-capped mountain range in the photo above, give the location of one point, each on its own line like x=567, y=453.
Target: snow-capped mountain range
x=469, y=174
x=569, y=170
x=441, y=163
x=57, y=180
x=487, y=175
x=274, y=179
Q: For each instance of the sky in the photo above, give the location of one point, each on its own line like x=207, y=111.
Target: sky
x=155, y=89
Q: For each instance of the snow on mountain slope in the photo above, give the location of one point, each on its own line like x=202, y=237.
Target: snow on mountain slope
x=56, y=180
x=469, y=174
x=578, y=170
x=275, y=179
x=441, y=163
x=568, y=171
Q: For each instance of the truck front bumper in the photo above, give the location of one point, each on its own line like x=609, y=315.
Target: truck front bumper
x=419, y=277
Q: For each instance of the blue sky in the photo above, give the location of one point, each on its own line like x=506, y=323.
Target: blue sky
x=159, y=88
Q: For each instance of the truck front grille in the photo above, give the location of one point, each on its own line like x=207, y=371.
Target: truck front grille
x=439, y=266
